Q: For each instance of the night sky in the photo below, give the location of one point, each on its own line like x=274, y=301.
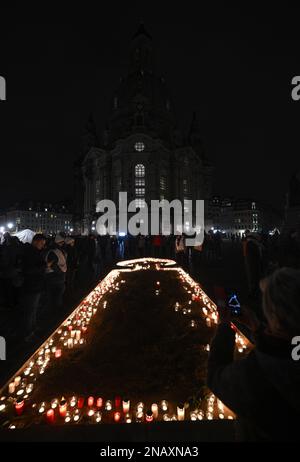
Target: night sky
x=233, y=66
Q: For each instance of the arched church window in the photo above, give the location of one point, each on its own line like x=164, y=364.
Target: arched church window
x=140, y=171
x=140, y=190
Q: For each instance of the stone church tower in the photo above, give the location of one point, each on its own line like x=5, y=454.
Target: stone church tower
x=142, y=151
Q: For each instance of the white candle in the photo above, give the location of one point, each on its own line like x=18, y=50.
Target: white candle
x=70, y=343
x=11, y=388
x=180, y=413
x=126, y=406
x=78, y=335
x=18, y=381
x=164, y=405
x=154, y=409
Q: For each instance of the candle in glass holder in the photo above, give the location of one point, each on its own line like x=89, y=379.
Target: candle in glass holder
x=11, y=388
x=139, y=416
x=58, y=354
x=68, y=417
x=73, y=334
x=20, y=406
x=73, y=401
x=108, y=406
x=50, y=416
x=54, y=404
x=77, y=416
x=126, y=406
x=149, y=417
x=117, y=417
x=29, y=388
x=200, y=415
x=98, y=417
x=81, y=402
x=99, y=403
x=154, y=409
x=181, y=412
x=164, y=405
x=140, y=407
x=18, y=381
x=91, y=401
x=78, y=335
x=194, y=416
x=70, y=343
x=208, y=322
x=2, y=407
x=63, y=407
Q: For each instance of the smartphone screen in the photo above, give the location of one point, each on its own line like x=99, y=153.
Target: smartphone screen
x=234, y=305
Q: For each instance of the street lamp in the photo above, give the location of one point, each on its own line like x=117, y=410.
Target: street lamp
x=10, y=226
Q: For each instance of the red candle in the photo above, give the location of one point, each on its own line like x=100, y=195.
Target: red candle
x=149, y=417
x=118, y=402
x=58, y=354
x=99, y=402
x=91, y=401
x=63, y=408
x=70, y=328
x=80, y=403
x=50, y=416
x=19, y=406
x=117, y=416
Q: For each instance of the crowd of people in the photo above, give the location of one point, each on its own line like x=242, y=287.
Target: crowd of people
x=39, y=279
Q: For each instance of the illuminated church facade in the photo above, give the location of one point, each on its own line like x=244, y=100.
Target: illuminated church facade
x=142, y=151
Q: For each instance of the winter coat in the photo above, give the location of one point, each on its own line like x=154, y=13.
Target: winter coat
x=262, y=389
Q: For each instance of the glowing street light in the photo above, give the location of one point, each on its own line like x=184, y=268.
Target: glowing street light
x=10, y=225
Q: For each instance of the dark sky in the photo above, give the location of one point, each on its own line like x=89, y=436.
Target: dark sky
x=233, y=66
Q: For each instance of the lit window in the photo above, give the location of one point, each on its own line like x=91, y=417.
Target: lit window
x=139, y=147
x=140, y=171
x=140, y=182
x=140, y=203
x=140, y=192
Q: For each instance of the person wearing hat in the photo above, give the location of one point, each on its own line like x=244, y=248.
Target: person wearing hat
x=56, y=271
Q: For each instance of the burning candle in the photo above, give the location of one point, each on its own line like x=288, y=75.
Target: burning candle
x=139, y=416
x=68, y=417
x=140, y=407
x=29, y=388
x=126, y=406
x=73, y=334
x=200, y=415
x=208, y=322
x=54, y=403
x=19, y=406
x=117, y=417
x=99, y=403
x=98, y=417
x=149, y=417
x=70, y=343
x=164, y=405
x=154, y=409
x=78, y=335
x=58, y=354
x=18, y=381
x=181, y=412
x=11, y=388
x=81, y=402
x=108, y=406
x=194, y=416
x=63, y=407
x=73, y=401
x=91, y=401
x=77, y=416
x=2, y=407
x=50, y=416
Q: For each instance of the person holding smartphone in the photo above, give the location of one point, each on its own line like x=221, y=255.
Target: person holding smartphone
x=262, y=389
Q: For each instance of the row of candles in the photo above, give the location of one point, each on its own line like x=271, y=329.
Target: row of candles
x=69, y=336
x=95, y=409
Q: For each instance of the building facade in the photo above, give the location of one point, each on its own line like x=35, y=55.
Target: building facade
x=141, y=152
x=40, y=218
